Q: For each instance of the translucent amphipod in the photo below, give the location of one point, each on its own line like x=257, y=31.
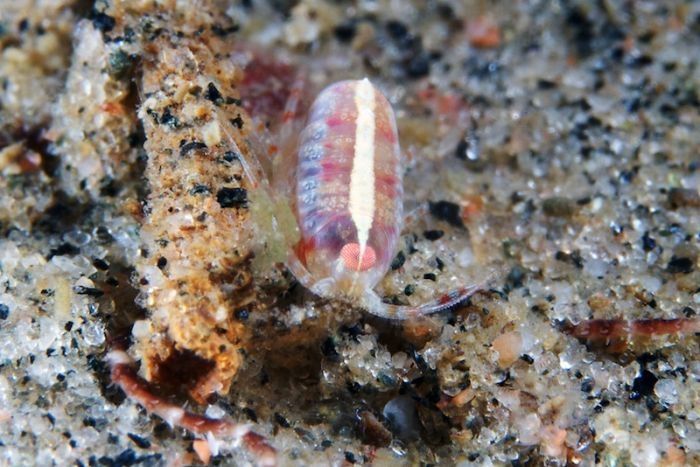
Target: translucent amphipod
x=349, y=199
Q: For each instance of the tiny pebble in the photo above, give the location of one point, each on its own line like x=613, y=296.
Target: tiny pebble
x=447, y=211
x=666, y=391
x=94, y=334
x=433, y=235
x=559, y=207
x=402, y=417
x=678, y=265
x=232, y=197
x=683, y=197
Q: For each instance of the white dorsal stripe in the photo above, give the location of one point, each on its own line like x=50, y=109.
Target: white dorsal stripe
x=362, y=175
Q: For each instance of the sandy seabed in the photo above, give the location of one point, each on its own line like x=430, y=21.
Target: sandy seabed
x=555, y=143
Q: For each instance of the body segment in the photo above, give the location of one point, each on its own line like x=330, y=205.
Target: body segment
x=349, y=188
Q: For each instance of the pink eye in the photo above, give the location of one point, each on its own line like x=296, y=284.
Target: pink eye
x=350, y=254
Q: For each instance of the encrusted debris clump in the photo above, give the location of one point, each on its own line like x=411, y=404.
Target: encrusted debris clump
x=194, y=232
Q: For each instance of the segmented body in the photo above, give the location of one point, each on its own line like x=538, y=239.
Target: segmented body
x=349, y=185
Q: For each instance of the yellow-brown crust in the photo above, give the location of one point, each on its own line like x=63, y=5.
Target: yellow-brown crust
x=194, y=271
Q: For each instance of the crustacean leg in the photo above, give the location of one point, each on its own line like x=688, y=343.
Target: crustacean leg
x=443, y=302
x=124, y=374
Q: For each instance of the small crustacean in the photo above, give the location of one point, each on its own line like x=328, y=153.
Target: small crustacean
x=348, y=197
x=616, y=334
